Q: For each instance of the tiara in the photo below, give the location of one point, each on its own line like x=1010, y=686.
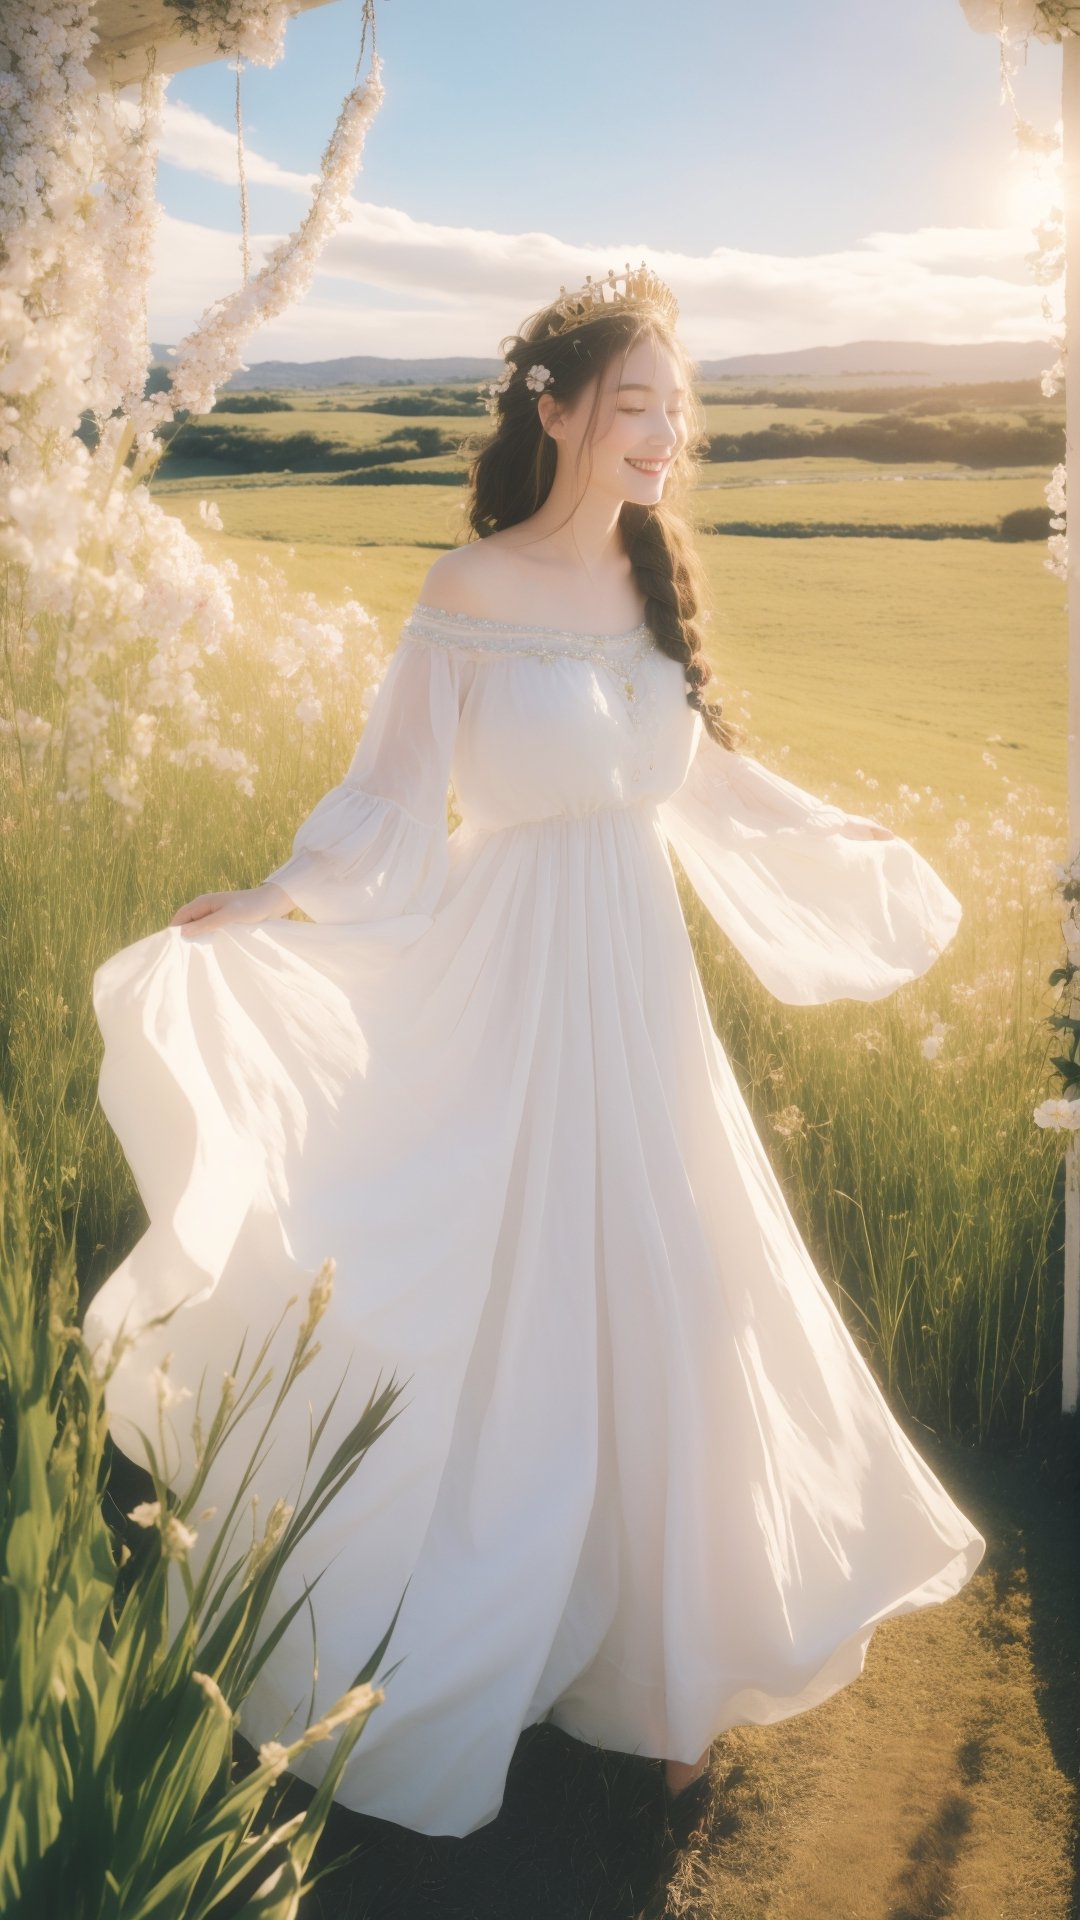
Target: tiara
x=641, y=288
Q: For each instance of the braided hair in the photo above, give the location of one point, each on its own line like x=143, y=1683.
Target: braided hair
x=512, y=469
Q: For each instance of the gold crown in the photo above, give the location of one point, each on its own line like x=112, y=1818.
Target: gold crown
x=641, y=288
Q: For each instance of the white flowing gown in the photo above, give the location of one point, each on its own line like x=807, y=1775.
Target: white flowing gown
x=641, y=1482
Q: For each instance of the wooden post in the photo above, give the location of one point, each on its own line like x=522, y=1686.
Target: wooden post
x=1070, y=122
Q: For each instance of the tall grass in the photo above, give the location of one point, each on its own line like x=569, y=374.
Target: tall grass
x=119, y=1682
x=80, y=880
x=927, y=1195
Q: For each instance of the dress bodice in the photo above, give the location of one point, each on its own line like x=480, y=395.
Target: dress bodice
x=553, y=722
x=536, y=726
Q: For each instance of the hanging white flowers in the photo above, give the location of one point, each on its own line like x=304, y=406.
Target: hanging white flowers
x=254, y=31
x=1020, y=19
x=121, y=607
x=214, y=350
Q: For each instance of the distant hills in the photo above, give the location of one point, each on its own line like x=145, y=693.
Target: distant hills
x=894, y=360
x=915, y=359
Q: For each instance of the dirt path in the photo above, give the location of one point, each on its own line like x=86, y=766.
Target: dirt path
x=944, y=1782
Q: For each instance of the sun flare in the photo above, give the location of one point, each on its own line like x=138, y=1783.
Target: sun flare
x=1033, y=189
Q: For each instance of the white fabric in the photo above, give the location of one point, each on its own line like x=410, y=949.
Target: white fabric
x=641, y=1480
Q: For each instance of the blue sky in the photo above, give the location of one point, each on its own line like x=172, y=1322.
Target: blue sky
x=827, y=171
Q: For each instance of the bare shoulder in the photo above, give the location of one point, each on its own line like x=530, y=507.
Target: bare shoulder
x=478, y=579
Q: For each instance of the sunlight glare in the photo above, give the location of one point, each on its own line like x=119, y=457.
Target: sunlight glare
x=1033, y=188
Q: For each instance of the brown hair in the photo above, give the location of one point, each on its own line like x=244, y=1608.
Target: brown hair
x=512, y=470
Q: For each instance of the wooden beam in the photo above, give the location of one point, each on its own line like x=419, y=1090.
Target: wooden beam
x=127, y=29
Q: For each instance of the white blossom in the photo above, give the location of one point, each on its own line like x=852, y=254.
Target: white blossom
x=176, y=1539
x=123, y=612
x=273, y=1755
x=1061, y=1114
x=167, y=1394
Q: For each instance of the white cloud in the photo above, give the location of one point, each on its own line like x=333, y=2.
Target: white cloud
x=389, y=284
x=198, y=145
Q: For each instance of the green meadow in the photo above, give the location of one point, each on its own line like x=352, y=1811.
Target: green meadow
x=918, y=679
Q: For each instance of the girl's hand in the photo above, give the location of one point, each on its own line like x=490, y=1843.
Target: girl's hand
x=243, y=908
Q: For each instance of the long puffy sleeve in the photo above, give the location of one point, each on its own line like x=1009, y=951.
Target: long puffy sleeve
x=376, y=845
x=818, y=915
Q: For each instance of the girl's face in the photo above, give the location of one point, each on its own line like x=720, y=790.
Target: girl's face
x=641, y=424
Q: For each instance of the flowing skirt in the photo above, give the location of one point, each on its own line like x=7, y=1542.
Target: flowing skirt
x=641, y=1482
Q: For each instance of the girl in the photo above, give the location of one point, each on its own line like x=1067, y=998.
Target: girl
x=643, y=1484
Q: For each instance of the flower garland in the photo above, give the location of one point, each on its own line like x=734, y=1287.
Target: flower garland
x=209, y=354
x=254, y=30
x=120, y=608
x=1017, y=20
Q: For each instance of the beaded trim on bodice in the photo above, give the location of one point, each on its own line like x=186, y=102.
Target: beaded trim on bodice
x=471, y=633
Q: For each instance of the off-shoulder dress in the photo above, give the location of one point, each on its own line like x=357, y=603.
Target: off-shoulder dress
x=642, y=1482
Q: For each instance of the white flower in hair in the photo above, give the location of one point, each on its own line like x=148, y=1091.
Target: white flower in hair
x=494, y=390
x=537, y=378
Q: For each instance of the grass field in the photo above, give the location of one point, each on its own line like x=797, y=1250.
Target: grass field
x=920, y=680
x=902, y=657
x=924, y=682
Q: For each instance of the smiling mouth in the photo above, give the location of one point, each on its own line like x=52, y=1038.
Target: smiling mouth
x=646, y=466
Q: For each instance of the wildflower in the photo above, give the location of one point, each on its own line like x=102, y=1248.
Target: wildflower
x=146, y=1514
x=358, y=1700
x=1063, y=1115
x=935, y=1039
x=167, y=1394
x=273, y=1755
x=789, y=1122
x=318, y=1299
x=276, y=1522
x=213, y=1693
x=537, y=378
x=176, y=1539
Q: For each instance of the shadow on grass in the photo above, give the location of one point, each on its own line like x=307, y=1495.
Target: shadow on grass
x=1027, y=1503
x=581, y=1833
x=580, y=1836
